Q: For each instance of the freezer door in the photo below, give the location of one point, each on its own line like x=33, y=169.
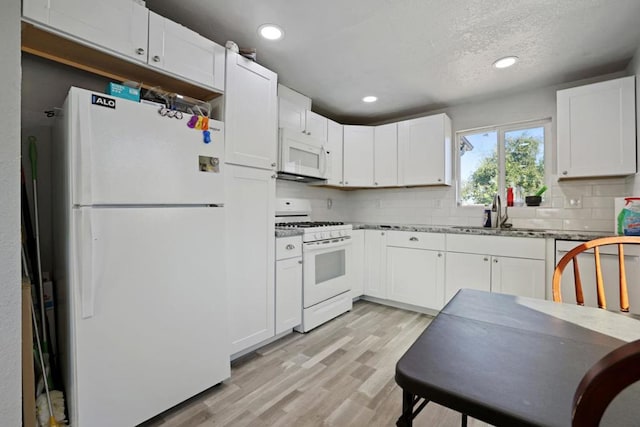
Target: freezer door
x=124, y=152
x=150, y=317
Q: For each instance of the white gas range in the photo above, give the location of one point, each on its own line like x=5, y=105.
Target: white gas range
x=326, y=262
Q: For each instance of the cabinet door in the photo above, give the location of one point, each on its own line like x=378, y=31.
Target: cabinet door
x=374, y=264
x=385, y=157
x=180, y=51
x=334, y=153
x=415, y=276
x=291, y=115
x=518, y=276
x=596, y=129
x=250, y=208
x=424, y=151
x=358, y=156
x=316, y=125
x=118, y=25
x=251, y=113
x=288, y=294
x=357, y=260
x=471, y=271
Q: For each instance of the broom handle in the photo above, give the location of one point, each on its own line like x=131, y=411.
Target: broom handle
x=33, y=157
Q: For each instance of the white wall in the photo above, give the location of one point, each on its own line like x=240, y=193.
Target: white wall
x=437, y=205
x=10, y=388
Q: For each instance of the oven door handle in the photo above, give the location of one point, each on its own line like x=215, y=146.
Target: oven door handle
x=331, y=243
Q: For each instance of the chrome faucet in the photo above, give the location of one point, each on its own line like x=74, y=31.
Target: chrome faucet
x=501, y=221
x=497, y=208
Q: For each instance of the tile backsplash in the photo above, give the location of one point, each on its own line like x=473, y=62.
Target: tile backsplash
x=567, y=205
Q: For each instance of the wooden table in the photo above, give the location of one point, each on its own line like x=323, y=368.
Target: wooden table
x=512, y=361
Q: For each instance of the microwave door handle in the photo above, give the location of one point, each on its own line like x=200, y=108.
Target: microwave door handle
x=324, y=161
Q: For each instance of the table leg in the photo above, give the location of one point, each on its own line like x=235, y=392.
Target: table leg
x=409, y=401
x=464, y=420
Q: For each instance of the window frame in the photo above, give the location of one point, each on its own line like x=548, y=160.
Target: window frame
x=501, y=130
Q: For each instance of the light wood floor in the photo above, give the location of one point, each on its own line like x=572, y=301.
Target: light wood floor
x=340, y=374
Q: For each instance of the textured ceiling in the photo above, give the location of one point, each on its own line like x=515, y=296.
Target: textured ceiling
x=419, y=55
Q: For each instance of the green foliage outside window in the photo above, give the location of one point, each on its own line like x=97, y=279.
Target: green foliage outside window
x=524, y=168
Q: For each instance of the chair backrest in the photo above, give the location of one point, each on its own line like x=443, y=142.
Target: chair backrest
x=572, y=256
x=603, y=382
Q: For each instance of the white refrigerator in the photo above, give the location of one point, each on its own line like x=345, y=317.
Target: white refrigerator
x=139, y=259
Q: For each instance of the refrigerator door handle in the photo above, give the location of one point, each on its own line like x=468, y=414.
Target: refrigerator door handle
x=84, y=146
x=85, y=262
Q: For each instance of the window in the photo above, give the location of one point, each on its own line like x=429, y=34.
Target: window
x=492, y=159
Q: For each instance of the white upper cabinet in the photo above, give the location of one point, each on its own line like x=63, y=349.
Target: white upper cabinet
x=385, y=157
x=358, y=156
x=120, y=26
x=294, y=112
x=597, y=129
x=424, y=151
x=251, y=113
x=178, y=50
x=315, y=125
x=334, y=153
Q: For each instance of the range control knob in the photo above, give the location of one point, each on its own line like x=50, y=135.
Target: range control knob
x=326, y=235
x=317, y=236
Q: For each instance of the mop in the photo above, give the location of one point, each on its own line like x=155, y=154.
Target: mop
x=53, y=403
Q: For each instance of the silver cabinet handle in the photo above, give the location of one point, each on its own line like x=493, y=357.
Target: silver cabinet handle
x=413, y=239
x=273, y=165
x=300, y=262
x=308, y=133
x=439, y=254
x=140, y=51
x=290, y=247
x=156, y=58
x=564, y=172
x=340, y=182
x=274, y=176
x=486, y=259
x=495, y=260
x=375, y=183
x=304, y=131
x=439, y=179
x=382, y=234
x=346, y=183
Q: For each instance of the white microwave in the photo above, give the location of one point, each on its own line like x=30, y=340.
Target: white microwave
x=301, y=155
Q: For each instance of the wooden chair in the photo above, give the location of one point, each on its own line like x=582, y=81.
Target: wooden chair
x=603, y=382
x=595, y=245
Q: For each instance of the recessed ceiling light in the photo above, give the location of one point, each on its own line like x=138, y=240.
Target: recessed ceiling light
x=505, y=62
x=270, y=31
x=370, y=98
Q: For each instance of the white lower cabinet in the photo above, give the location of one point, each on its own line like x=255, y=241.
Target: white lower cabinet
x=509, y=265
x=518, y=276
x=374, y=264
x=357, y=257
x=415, y=268
x=471, y=271
x=288, y=283
x=250, y=209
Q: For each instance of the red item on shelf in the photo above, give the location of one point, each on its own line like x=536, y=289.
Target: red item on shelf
x=510, y=196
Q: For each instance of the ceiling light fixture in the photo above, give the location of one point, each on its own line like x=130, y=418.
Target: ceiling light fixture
x=505, y=62
x=370, y=98
x=270, y=31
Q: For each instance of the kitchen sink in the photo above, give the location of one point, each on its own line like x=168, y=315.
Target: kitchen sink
x=512, y=229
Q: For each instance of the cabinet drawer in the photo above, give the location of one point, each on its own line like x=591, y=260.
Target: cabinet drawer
x=416, y=240
x=517, y=247
x=288, y=247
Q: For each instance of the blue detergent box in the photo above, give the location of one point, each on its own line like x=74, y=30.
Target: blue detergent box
x=122, y=91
